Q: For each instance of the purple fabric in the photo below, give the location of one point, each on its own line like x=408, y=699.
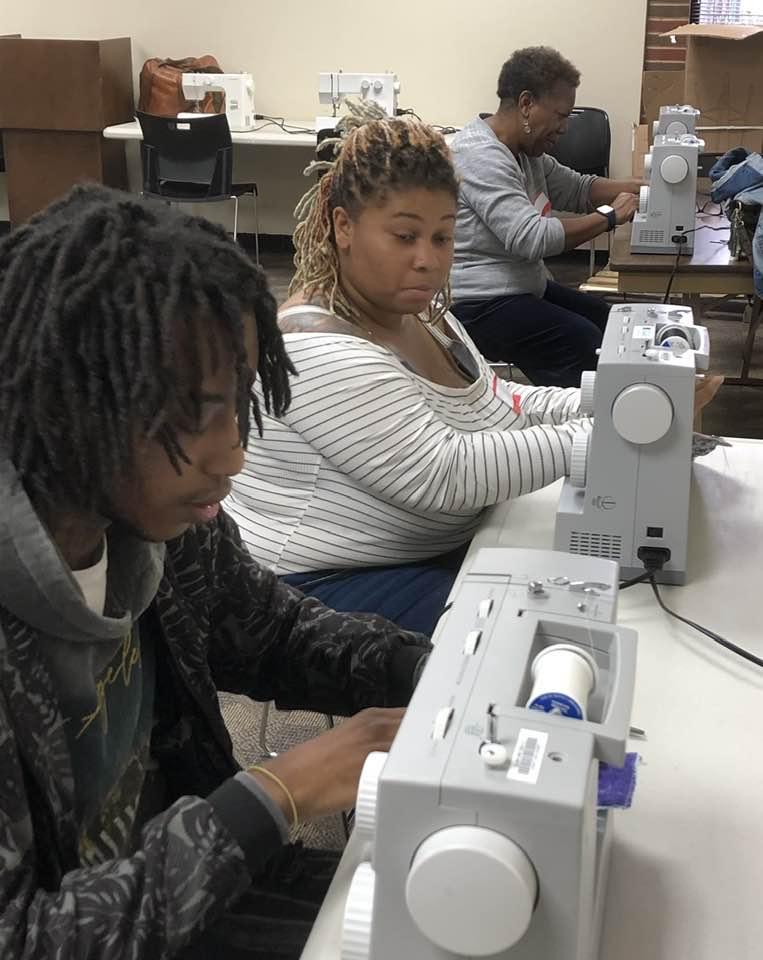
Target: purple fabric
x=616, y=784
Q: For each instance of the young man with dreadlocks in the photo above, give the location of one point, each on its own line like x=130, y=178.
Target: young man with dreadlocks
x=399, y=434
x=130, y=337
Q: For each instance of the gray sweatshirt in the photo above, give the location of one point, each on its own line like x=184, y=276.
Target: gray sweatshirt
x=503, y=230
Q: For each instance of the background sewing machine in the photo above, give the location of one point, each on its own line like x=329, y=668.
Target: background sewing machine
x=379, y=88
x=482, y=822
x=676, y=120
x=628, y=490
x=668, y=205
x=239, y=94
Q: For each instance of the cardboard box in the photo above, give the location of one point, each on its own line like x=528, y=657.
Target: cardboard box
x=640, y=140
x=660, y=88
x=724, y=80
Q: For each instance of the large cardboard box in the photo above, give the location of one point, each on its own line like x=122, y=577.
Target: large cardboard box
x=660, y=88
x=724, y=79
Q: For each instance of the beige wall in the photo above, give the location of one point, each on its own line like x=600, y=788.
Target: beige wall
x=447, y=54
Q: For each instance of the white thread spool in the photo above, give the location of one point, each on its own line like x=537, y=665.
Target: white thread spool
x=564, y=676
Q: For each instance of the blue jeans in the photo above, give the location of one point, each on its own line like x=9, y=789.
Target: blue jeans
x=411, y=595
x=552, y=339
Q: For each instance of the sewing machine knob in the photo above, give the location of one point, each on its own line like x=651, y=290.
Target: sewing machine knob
x=587, y=391
x=676, y=128
x=358, y=915
x=642, y=413
x=674, y=169
x=643, y=198
x=647, y=166
x=368, y=791
x=579, y=460
x=471, y=891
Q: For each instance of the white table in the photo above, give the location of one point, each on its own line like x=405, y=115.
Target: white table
x=687, y=860
x=265, y=134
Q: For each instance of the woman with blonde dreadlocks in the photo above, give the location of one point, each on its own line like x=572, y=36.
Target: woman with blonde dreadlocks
x=367, y=491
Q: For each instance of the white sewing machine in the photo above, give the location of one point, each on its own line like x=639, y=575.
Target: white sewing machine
x=628, y=490
x=482, y=828
x=239, y=94
x=379, y=88
x=676, y=120
x=667, y=206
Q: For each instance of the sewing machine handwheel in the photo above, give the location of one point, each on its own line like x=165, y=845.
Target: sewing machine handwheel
x=471, y=891
x=579, y=460
x=368, y=789
x=358, y=914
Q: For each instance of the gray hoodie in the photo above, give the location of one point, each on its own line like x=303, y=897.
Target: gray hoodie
x=126, y=827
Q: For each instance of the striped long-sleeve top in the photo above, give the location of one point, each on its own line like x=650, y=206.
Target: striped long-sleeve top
x=373, y=464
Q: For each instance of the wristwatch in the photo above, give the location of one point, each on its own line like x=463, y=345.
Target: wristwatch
x=609, y=212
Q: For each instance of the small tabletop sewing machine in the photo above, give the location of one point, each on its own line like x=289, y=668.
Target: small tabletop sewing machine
x=627, y=494
x=239, y=95
x=483, y=831
x=676, y=120
x=333, y=88
x=668, y=205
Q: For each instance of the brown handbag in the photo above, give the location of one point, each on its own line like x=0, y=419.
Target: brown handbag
x=161, y=87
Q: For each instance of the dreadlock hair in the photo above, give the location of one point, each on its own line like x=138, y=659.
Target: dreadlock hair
x=372, y=155
x=103, y=300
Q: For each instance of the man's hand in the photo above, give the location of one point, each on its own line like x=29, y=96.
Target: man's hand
x=625, y=205
x=322, y=774
x=705, y=388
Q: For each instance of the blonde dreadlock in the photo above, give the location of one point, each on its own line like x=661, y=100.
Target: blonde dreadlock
x=370, y=155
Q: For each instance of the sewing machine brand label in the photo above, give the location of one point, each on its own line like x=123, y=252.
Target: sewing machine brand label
x=644, y=331
x=528, y=755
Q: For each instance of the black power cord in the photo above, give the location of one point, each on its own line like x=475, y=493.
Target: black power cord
x=705, y=631
x=654, y=559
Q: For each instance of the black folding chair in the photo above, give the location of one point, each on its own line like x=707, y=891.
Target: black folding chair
x=190, y=160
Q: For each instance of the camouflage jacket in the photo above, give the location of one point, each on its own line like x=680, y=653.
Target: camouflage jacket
x=219, y=621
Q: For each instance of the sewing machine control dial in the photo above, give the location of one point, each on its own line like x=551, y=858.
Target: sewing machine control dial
x=587, y=392
x=674, y=168
x=643, y=197
x=461, y=876
x=368, y=792
x=579, y=460
x=358, y=915
x=647, y=165
x=642, y=413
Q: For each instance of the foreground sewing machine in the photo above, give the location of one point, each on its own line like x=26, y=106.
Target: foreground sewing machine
x=667, y=210
x=484, y=837
x=628, y=490
x=334, y=87
x=239, y=95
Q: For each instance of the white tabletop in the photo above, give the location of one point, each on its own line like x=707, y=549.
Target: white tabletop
x=294, y=133
x=687, y=860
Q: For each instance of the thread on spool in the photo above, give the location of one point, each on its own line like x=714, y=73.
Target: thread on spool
x=564, y=676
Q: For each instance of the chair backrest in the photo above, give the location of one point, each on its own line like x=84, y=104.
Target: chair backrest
x=195, y=152
x=585, y=145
